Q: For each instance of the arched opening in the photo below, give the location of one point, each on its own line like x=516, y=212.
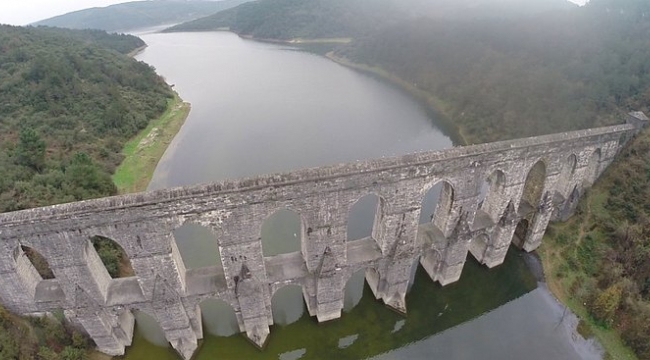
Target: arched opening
x=149, y=328
x=566, y=175
x=478, y=246
x=113, y=256
x=354, y=290
x=363, y=217
x=521, y=232
x=428, y=231
x=198, y=246
x=435, y=211
x=593, y=168
x=429, y=203
x=490, y=197
x=443, y=207
x=36, y=275
x=218, y=317
x=282, y=233
x=287, y=305
x=37, y=260
x=533, y=188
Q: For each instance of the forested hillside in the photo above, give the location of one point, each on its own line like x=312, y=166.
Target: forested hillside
x=288, y=19
x=138, y=14
x=69, y=99
x=69, y=102
x=522, y=76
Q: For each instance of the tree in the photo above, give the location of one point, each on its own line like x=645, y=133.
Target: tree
x=30, y=151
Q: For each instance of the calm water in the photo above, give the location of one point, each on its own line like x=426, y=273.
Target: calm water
x=260, y=108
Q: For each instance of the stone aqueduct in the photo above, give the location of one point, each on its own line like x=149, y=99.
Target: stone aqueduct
x=142, y=224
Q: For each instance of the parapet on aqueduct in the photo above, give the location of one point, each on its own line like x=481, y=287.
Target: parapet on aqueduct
x=514, y=209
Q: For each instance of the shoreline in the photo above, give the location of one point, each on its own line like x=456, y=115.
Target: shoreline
x=143, y=152
x=433, y=104
x=137, y=51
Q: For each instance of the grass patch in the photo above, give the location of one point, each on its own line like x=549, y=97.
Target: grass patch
x=142, y=153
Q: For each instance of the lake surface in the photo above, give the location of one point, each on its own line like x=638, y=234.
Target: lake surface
x=261, y=108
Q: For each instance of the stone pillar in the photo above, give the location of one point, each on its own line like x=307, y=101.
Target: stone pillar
x=153, y=252
x=569, y=206
x=75, y=263
x=400, y=239
x=252, y=303
x=18, y=279
x=330, y=286
x=539, y=224
x=638, y=119
x=396, y=282
x=172, y=316
x=453, y=257
x=101, y=325
x=323, y=249
x=447, y=210
x=499, y=239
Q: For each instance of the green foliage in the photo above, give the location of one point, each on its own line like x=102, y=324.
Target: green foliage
x=604, y=306
x=113, y=256
x=72, y=353
x=288, y=19
x=70, y=100
x=138, y=14
x=610, y=261
x=30, y=151
x=39, y=262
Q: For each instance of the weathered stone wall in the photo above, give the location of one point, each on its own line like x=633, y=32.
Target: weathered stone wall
x=465, y=220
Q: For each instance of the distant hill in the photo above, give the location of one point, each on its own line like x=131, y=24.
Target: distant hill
x=138, y=14
x=464, y=9
x=288, y=19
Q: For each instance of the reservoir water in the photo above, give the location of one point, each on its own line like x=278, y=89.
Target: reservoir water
x=260, y=108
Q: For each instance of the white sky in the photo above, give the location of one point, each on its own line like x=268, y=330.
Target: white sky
x=23, y=12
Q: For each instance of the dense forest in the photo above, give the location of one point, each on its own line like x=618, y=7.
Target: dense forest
x=70, y=99
x=138, y=14
x=498, y=74
x=288, y=19
x=522, y=76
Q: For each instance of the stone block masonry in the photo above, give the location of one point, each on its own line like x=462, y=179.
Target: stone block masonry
x=528, y=182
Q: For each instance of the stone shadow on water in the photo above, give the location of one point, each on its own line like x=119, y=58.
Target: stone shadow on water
x=371, y=328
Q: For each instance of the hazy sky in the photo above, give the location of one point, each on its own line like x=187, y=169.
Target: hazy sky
x=22, y=12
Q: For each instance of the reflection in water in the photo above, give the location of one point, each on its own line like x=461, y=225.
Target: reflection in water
x=431, y=309
x=292, y=355
x=353, y=290
x=218, y=318
x=398, y=326
x=347, y=341
x=149, y=328
x=287, y=305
